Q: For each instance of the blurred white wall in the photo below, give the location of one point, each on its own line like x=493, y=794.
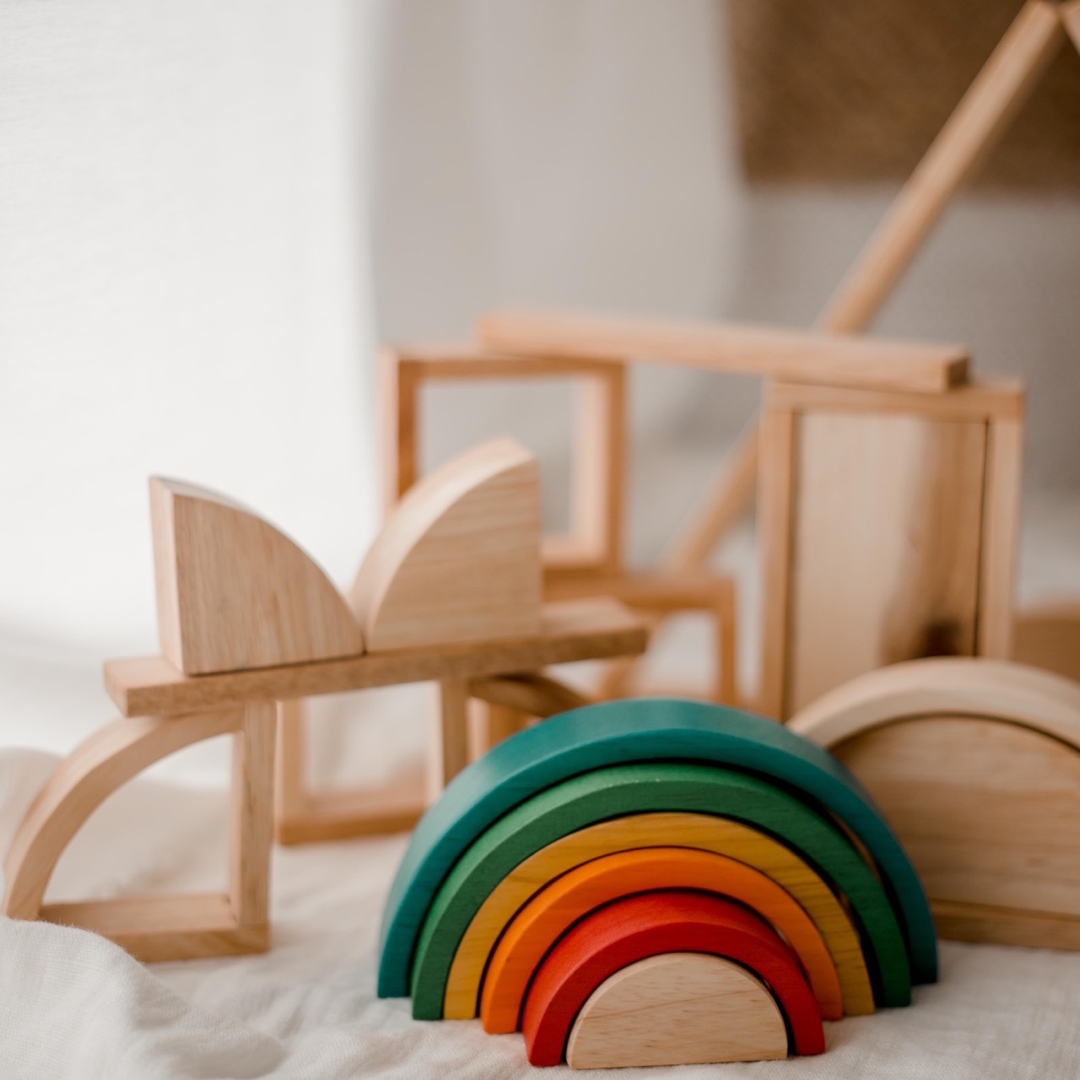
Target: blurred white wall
x=184, y=289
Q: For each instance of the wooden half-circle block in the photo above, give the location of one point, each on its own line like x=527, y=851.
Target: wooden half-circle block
x=459, y=935
x=553, y=910
x=647, y=925
x=235, y=593
x=459, y=557
x=976, y=763
x=679, y=1008
x=644, y=729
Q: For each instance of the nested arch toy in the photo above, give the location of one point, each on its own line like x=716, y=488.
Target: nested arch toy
x=616, y=834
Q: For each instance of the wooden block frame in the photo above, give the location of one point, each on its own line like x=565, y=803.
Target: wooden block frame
x=971, y=440
x=172, y=927
x=594, y=544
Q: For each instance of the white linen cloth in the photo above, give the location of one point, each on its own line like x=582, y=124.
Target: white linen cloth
x=73, y=1005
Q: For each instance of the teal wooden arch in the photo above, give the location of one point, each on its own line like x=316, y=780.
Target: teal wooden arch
x=637, y=730
x=648, y=788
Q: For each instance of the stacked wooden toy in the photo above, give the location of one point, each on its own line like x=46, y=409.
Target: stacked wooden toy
x=655, y=881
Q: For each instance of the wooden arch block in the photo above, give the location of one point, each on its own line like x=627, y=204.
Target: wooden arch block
x=235, y=593
x=648, y=925
x=459, y=558
x=682, y=1008
x=976, y=764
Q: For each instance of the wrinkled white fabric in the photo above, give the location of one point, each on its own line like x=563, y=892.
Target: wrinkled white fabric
x=72, y=1005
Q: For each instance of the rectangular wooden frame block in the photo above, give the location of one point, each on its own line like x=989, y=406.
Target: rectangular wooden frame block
x=888, y=525
x=594, y=544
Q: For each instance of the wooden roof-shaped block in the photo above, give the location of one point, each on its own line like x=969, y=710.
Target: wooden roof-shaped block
x=235, y=593
x=459, y=558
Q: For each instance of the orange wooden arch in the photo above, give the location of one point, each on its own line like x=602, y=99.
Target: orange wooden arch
x=540, y=923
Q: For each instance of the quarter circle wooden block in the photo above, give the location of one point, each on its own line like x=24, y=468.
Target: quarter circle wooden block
x=451, y=929
x=680, y=1008
x=638, y=730
x=459, y=557
x=233, y=592
x=648, y=925
x=571, y=896
x=976, y=763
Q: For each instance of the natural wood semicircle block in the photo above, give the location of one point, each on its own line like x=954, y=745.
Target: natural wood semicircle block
x=459, y=558
x=234, y=593
x=681, y=1008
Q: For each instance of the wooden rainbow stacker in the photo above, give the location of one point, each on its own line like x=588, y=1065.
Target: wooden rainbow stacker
x=655, y=881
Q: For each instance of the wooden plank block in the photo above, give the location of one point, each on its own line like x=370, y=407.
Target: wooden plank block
x=749, y=350
x=598, y=468
x=486, y=886
x=971, y=132
x=641, y=926
x=459, y=558
x=573, y=630
x=703, y=833
x=344, y=815
x=922, y=565
x=985, y=924
x=1001, y=528
x=468, y=360
x=448, y=745
x=556, y=907
x=234, y=593
x=251, y=815
x=531, y=694
x=677, y=1009
x=631, y=731
x=161, y=928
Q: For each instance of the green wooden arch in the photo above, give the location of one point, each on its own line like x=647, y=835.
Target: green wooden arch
x=645, y=788
x=642, y=729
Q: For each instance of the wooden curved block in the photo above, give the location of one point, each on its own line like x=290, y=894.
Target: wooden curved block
x=976, y=764
x=235, y=593
x=466, y=917
x=648, y=925
x=698, y=832
x=553, y=910
x=157, y=927
x=648, y=729
x=683, y=1008
x=459, y=557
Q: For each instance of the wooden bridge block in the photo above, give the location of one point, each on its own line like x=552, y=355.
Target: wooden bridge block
x=683, y=1008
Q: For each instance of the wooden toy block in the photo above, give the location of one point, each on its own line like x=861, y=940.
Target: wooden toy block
x=684, y=1008
x=821, y=358
x=597, y=472
x=157, y=927
x=888, y=525
x=466, y=916
x=558, y=906
x=1048, y=636
x=520, y=770
x=510, y=701
x=459, y=558
x=976, y=764
x=981, y=118
x=235, y=593
x=637, y=927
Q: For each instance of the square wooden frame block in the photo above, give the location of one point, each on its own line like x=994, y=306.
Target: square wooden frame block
x=598, y=467
x=898, y=472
